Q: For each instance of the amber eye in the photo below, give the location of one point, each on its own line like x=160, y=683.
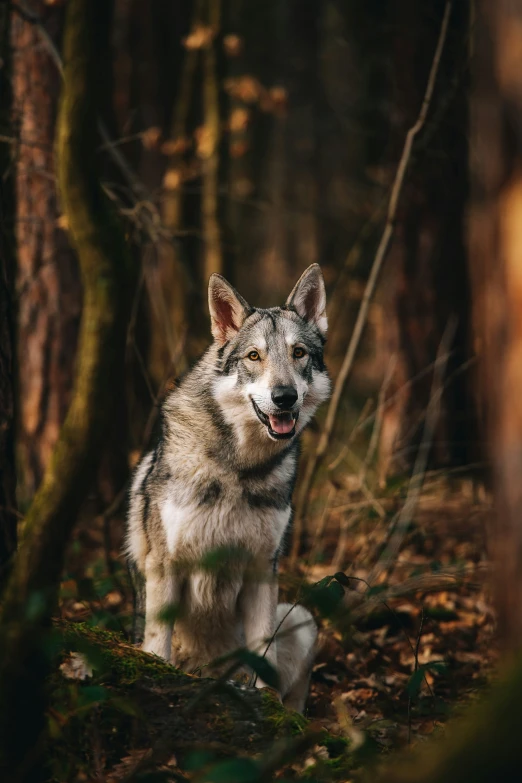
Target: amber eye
x=253, y=356
x=299, y=353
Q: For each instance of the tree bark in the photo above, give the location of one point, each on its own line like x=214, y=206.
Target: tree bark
x=496, y=267
x=48, y=284
x=8, y=518
x=31, y=593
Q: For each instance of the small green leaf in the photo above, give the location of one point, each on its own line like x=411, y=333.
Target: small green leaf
x=343, y=579
x=198, y=759
x=104, y=586
x=436, y=666
x=234, y=771
x=222, y=557
x=92, y=694
x=169, y=614
x=325, y=596
x=35, y=606
x=92, y=653
x=376, y=590
x=415, y=682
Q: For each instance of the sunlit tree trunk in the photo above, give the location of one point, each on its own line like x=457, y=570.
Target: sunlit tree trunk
x=496, y=267
x=8, y=521
x=48, y=286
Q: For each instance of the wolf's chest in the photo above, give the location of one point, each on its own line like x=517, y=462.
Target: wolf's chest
x=214, y=514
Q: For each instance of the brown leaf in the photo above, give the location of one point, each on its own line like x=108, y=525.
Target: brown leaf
x=200, y=37
x=244, y=88
x=233, y=45
x=239, y=119
x=172, y=179
x=150, y=138
x=238, y=149
x=175, y=146
x=205, y=141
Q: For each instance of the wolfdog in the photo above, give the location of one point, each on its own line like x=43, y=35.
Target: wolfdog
x=220, y=479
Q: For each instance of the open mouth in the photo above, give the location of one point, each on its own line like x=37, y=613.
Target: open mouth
x=280, y=426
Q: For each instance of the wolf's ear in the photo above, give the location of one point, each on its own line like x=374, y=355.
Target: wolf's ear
x=308, y=298
x=228, y=309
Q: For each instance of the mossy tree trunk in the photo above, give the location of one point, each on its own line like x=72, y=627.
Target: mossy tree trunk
x=8, y=522
x=31, y=593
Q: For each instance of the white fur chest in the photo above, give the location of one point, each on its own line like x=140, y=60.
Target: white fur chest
x=195, y=525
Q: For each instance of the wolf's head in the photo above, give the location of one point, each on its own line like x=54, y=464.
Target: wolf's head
x=271, y=376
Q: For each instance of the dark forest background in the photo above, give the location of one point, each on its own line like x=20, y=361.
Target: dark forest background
x=145, y=144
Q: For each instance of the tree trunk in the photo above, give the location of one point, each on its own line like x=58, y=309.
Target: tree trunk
x=496, y=267
x=32, y=590
x=166, y=87
x=48, y=285
x=8, y=520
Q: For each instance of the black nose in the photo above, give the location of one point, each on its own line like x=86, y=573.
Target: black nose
x=284, y=396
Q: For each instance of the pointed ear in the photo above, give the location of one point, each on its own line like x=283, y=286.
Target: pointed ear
x=228, y=309
x=308, y=298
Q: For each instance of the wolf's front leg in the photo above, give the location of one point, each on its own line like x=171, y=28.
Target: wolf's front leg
x=161, y=594
x=258, y=602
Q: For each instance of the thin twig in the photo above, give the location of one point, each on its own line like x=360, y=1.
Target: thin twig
x=415, y=669
x=321, y=526
x=361, y=419
x=213, y=259
x=345, y=526
x=382, y=250
x=399, y=525
x=379, y=413
x=425, y=583
x=358, y=504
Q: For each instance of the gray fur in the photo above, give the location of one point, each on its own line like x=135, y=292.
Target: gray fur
x=221, y=478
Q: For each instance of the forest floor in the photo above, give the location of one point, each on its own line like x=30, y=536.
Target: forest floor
x=397, y=674
x=447, y=637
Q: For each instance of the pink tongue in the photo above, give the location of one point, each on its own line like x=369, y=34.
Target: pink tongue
x=281, y=424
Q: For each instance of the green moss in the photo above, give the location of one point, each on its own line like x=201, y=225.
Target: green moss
x=278, y=720
x=110, y=654
x=134, y=700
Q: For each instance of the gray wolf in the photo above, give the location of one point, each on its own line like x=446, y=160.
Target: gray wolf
x=220, y=479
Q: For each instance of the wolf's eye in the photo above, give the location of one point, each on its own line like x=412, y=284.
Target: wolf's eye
x=253, y=356
x=299, y=353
